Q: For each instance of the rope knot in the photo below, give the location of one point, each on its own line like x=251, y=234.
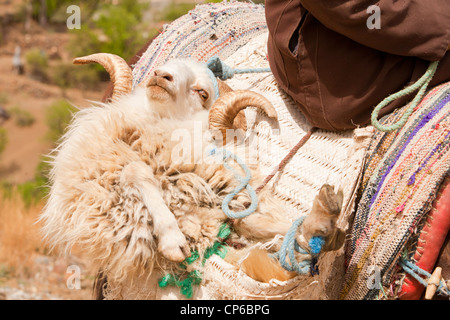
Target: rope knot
x=286, y=254
x=220, y=69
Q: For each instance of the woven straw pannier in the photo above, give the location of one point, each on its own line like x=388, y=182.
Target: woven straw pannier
x=236, y=32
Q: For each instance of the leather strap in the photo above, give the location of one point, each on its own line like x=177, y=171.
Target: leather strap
x=431, y=240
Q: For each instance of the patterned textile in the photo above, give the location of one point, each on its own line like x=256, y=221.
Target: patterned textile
x=208, y=30
x=402, y=174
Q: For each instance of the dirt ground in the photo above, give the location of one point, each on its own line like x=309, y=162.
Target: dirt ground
x=26, y=144
x=47, y=276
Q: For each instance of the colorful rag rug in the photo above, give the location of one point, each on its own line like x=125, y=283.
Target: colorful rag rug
x=402, y=175
x=213, y=29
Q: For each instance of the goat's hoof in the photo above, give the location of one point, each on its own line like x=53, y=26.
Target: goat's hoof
x=174, y=247
x=321, y=221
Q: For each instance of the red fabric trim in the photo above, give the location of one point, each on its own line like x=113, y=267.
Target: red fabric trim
x=430, y=242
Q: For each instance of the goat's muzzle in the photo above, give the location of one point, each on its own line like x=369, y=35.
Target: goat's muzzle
x=160, y=87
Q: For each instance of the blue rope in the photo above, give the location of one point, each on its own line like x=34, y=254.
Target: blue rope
x=243, y=183
x=417, y=272
x=213, y=79
x=290, y=245
x=218, y=69
x=224, y=72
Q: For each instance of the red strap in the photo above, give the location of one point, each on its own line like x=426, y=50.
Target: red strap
x=430, y=242
x=286, y=159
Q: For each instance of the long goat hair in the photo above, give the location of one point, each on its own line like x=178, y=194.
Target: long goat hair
x=116, y=191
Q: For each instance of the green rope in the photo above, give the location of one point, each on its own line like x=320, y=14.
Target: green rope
x=420, y=85
x=195, y=277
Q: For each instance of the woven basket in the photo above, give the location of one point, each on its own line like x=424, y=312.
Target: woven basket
x=237, y=33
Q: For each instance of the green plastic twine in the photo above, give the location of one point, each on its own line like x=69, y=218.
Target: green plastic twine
x=185, y=285
x=420, y=85
x=195, y=277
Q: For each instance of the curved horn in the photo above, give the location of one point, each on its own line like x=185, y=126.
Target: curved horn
x=223, y=87
x=118, y=69
x=224, y=111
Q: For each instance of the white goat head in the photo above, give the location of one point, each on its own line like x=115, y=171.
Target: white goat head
x=181, y=83
x=182, y=87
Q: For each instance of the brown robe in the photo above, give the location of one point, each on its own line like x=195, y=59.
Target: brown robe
x=337, y=69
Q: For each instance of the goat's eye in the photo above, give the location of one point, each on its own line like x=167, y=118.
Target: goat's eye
x=203, y=94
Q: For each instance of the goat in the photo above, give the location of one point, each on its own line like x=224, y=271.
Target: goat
x=122, y=185
x=115, y=189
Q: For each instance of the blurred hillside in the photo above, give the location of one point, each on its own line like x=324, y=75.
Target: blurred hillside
x=39, y=88
x=47, y=49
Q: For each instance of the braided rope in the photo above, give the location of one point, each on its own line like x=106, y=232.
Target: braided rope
x=420, y=84
x=287, y=158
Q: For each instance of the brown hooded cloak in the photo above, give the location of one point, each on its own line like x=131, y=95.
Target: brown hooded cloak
x=328, y=56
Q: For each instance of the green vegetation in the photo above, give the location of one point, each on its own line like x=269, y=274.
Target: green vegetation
x=118, y=25
x=111, y=28
x=3, y=139
x=3, y=97
x=34, y=191
x=105, y=27
x=64, y=75
x=57, y=118
x=176, y=10
x=52, y=11
x=37, y=63
x=70, y=76
x=23, y=118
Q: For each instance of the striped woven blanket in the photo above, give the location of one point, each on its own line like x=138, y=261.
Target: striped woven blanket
x=402, y=175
